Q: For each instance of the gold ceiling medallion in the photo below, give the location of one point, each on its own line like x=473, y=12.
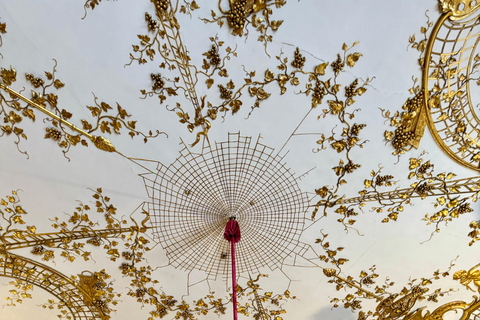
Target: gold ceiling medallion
x=459, y=9
x=451, y=83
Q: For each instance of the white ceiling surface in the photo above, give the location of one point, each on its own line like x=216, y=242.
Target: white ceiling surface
x=91, y=55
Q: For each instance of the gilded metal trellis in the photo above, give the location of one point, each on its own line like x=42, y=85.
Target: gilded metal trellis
x=459, y=186
x=449, y=74
x=12, y=242
x=79, y=302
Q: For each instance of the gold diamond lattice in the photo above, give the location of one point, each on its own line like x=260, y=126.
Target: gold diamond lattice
x=193, y=198
x=451, y=79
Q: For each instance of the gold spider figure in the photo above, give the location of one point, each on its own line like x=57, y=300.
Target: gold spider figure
x=466, y=277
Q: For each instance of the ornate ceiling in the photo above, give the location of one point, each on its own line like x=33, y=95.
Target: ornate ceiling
x=344, y=138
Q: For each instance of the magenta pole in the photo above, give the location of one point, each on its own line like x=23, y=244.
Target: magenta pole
x=234, y=282
x=232, y=234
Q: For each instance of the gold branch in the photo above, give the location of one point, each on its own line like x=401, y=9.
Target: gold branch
x=100, y=142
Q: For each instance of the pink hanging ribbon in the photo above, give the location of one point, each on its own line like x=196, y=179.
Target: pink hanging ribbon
x=232, y=234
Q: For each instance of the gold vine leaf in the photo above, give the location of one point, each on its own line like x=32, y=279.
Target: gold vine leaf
x=475, y=232
x=105, y=122
x=41, y=98
x=259, y=303
x=91, y=4
x=10, y=110
x=421, y=45
x=13, y=224
x=20, y=293
x=188, y=7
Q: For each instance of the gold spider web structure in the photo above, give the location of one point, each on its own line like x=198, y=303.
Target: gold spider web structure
x=194, y=197
x=450, y=76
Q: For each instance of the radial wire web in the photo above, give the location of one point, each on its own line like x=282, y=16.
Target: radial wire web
x=193, y=198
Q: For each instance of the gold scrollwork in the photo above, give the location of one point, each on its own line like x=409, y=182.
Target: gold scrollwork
x=459, y=9
x=438, y=314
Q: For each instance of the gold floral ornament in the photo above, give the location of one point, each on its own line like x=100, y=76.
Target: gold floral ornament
x=167, y=43
x=246, y=13
x=20, y=293
x=410, y=124
x=411, y=121
x=454, y=197
x=72, y=233
x=163, y=304
x=257, y=299
x=47, y=102
x=463, y=310
x=323, y=87
x=391, y=304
